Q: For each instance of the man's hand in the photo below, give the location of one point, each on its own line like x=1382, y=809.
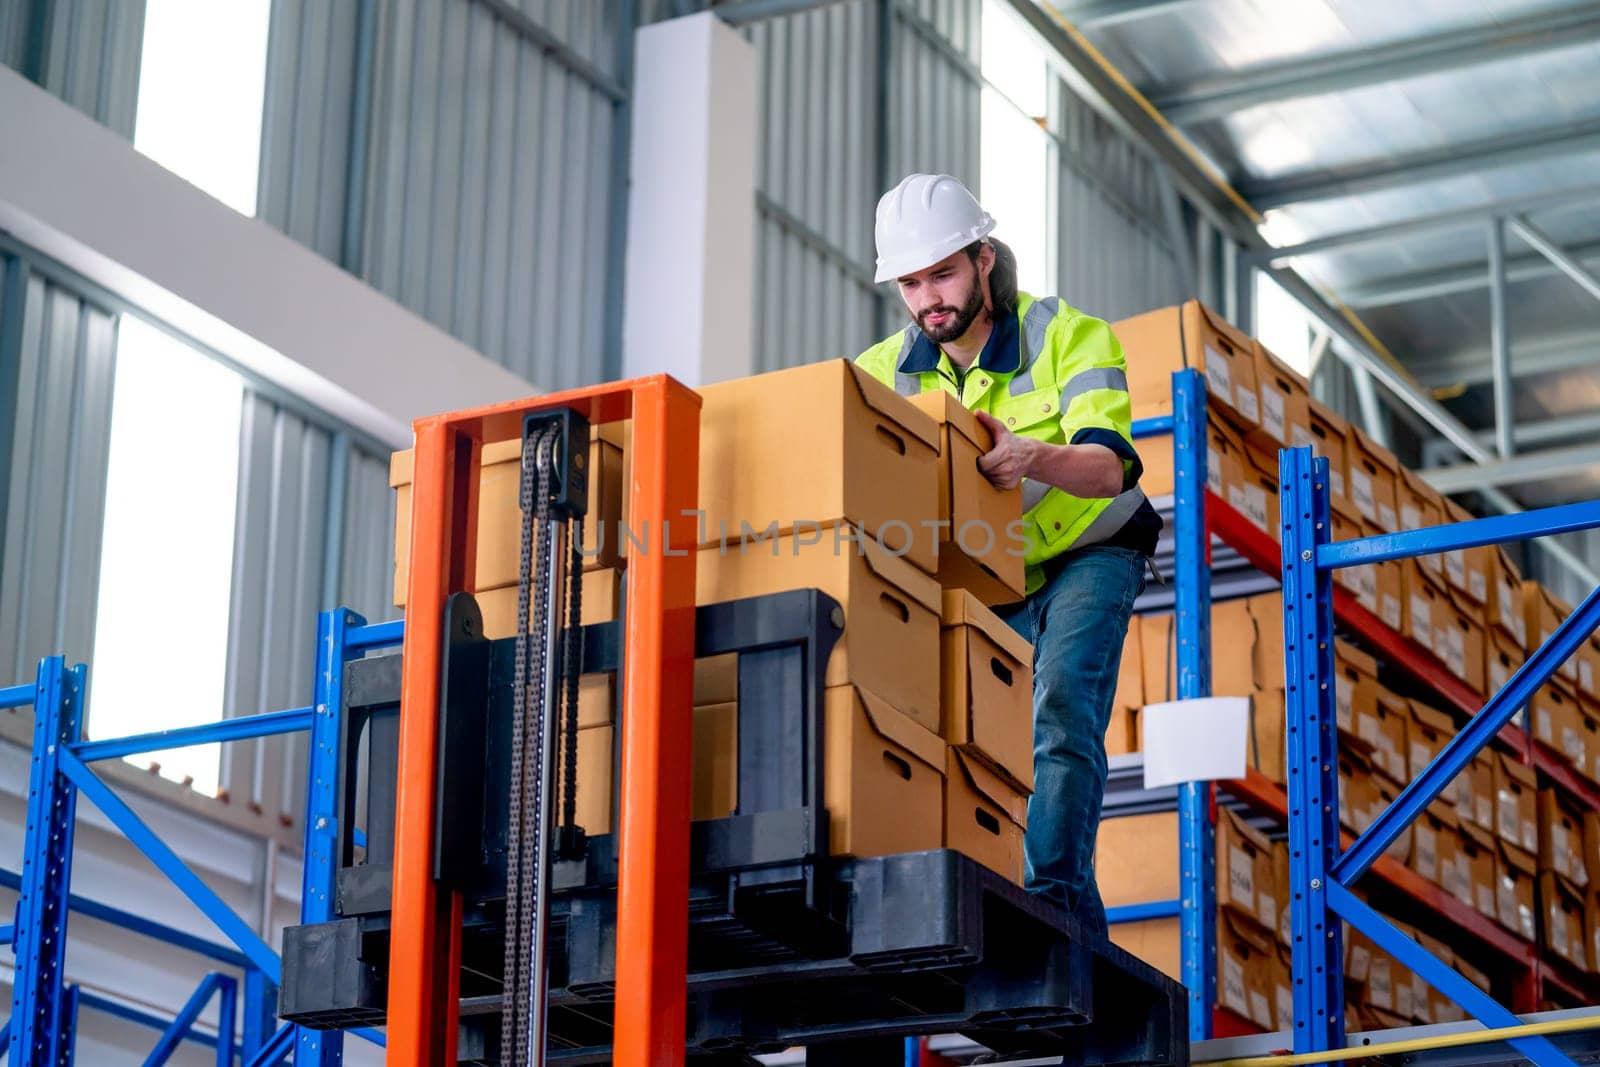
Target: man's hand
x=1011, y=459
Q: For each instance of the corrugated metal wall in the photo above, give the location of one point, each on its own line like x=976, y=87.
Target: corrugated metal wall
x=57, y=358
x=479, y=182
x=84, y=51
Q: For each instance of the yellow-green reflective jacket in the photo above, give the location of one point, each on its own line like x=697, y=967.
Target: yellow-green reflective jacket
x=1052, y=373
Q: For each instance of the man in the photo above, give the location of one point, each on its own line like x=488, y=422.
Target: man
x=1050, y=384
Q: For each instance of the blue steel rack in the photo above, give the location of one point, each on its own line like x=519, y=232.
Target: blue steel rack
x=1320, y=874
x=44, y=1008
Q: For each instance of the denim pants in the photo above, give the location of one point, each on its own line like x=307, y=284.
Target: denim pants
x=1077, y=622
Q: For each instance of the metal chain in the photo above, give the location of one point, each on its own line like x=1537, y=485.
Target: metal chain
x=534, y=767
x=571, y=670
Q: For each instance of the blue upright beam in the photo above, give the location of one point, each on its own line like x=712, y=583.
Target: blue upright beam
x=1445, y=979
x=167, y=862
x=70, y=998
x=138, y=924
x=1313, y=788
x=266, y=725
x=260, y=1012
x=1479, y=731
x=1197, y=867
x=41, y=920
x=184, y=1021
x=374, y=635
x=1497, y=529
x=16, y=696
x=275, y=1049
x=1153, y=909
x=324, y=1048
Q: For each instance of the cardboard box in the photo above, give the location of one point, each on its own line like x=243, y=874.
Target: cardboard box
x=883, y=777
x=1420, y=507
x=1280, y=875
x=1467, y=570
x=1589, y=730
x=1256, y=495
x=1385, y=792
x=1283, y=990
x=1505, y=598
x=1559, y=723
x=1561, y=913
x=1591, y=930
x=1479, y=856
x=1589, y=667
x=1268, y=741
x=602, y=600
x=716, y=761
x=1327, y=439
x=1391, y=586
x=1516, y=791
x=1422, y=604
x=1543, y=612
x=1373, y=473
x=1438, y=1006
x=1591, y=851
x=1245, y=871
x=984, y=815
x=986, y=693
x=1479, y=778
x=1457, y=873
x=1158, y=657
x=1361, y=582
x=1156, y=453
x=1191, y=335
x=1355, y=684
x=1561, y=838
x=1427, y=733
x=1285, y=404
x=870, y=459
x=1136, y=861
x=1433, y=844
x=1252, y=656
x=1503, y=658
x=1246, y=955
x=974, y=515
x=1357, y=790
x=1459, y=639
x=1385, y=730
x=1515, y=873
x=500, y=512
x=890, y=645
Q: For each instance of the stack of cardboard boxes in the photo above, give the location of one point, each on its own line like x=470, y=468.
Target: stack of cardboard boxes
x=822, y=477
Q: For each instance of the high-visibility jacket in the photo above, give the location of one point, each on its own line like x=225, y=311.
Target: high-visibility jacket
x=1052, y=373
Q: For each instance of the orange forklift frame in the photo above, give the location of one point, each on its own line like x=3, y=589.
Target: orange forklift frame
x=656, y=728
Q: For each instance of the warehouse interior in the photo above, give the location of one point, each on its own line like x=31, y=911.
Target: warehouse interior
x=246, y=245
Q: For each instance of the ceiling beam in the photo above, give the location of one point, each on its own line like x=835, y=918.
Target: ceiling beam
x=1384, y=233
x=1518, y=470
x=1315, y=75
x=1546, y=356
x=1458, y=278
x=1563, y=260
x=1101, y=13
x=1447, y=161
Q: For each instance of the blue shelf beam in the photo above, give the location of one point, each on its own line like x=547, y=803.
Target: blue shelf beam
x=16, y=696
x=1152, y=909
x=273, y=722
x=369, y=636
x=276, y=1048
x=1497, y=529
x=1154, y=426
x=183, y=1023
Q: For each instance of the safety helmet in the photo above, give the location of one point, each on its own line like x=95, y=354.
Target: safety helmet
x=924, y=219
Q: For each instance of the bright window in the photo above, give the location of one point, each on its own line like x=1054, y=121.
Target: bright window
x=1283, y=324
x=166, y=565
x=1017, y=175
x=202, y=78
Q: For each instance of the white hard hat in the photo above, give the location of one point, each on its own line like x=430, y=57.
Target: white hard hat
x=924, y=219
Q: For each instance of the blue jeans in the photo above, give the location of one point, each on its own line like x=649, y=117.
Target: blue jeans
x=1077, y=622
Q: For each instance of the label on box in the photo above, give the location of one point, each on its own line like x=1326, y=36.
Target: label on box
x=1427, y=852
x=1386, y=518
x=1543, y=728
x=1478, y=583
x=1361, y=493
x=1394, y=760
x=1530, y=835
x=1267, y=910
x=1336, y=481
x=1485, y=899
x=1410, y=517
x=1219, y=375
x=1272, y=413
x=1245, y=400
x=1250, y=501
x=1483, y=808
x=1286, y=927
x=1525, y=920
x=1509, y=823
x=1299, y=437
x=1421, y=621
x=1572, y=747
x=1343, y=702
x=1285, y=997
x=1421, y=754
x=1558, y=930
x=1499, y=674
x=1241, y=878
x=1558, y=845
x=1464, y=806
x=1586, y=675
x=1380, y=988
x=1390, y=612
x=1234, y=994
x=1214, y=471
x=1404, y=999
x=1360, y=962
x=1261, y=1009
x=1506, y=895
x=1461, y=879
x=1367, y=729
x=1455, y=565
x=1455, y=651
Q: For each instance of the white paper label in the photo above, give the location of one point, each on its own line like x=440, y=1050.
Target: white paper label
x=1558, y=930
x=1421, y=621
x=1507, y=897
x=1219, y=376
x=1483, y=807
x=1214, y=471
x=1360, y=963
x=1241, y=878
x=1233, y=991
x=1464, y=807
x=1558, y=845
x=1530, y=835
x=1361, y=493
x=1455, y=565
x=1410, y=517
x=1386, y=518
x=1380, y=990
x=1421, y=754
x=1285, y=927
x=1427, y=852
x=1463, y=881
x=1509, y=823
x=1478, y=584
x=1336, y=481
x=1272, y=413
x=1245, y=400
x=1343, y=702
x=1285, y=1017
x=1267, y=910
x=1525, y=920
x=1455, y=649
x=1261, y=1008
x=1543, y=728
x=1419, y=998
x=1255, y=506
x=1391, y=611
x=1499, y=674
x=1404, y=999
x=1367, y=729
x=1586, y=675
x=1299, y=437
x=1485, y=899
x=1572, y=747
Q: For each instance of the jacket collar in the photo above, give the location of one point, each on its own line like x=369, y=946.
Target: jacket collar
x=1002, y=352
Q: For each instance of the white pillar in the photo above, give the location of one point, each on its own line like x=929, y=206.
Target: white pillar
x=691, y=203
